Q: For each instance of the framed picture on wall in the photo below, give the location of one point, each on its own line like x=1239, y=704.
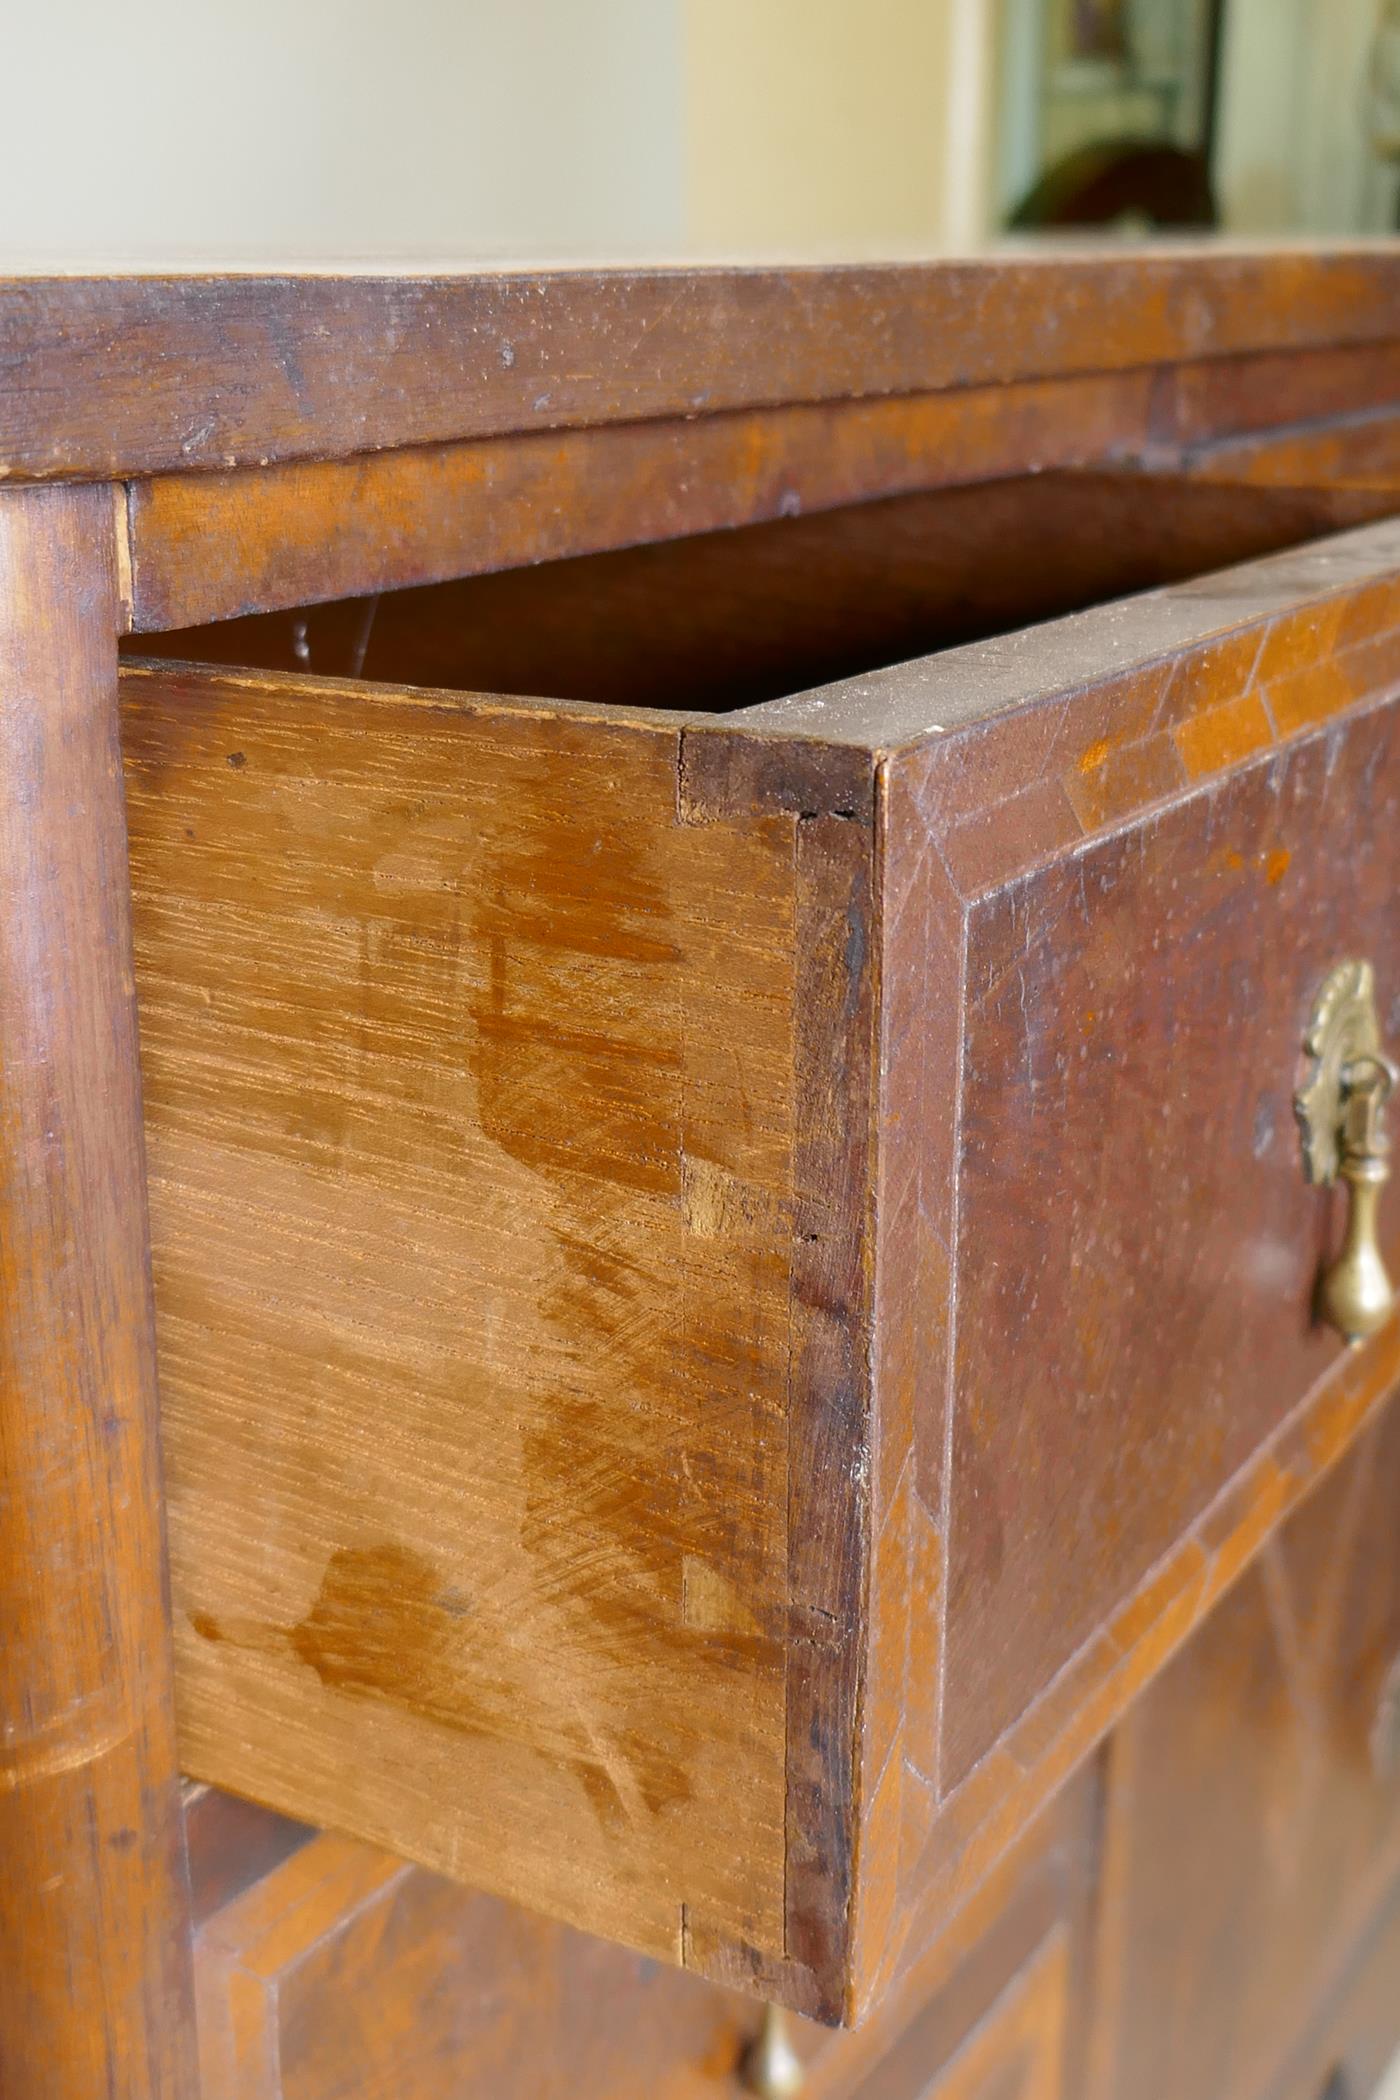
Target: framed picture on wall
x=1093, y=32
x=1109, y=112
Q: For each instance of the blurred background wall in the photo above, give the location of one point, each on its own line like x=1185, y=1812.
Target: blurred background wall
x=275, y=129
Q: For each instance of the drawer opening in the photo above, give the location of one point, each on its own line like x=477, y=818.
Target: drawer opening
x=730, y=619
x=599, y=1167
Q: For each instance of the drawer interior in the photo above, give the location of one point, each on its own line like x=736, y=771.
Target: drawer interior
x=730, y=619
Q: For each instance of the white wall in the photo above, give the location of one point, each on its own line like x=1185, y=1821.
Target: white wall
x=1294, y=147
x=266, y=129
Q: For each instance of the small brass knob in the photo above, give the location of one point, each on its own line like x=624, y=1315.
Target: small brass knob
x=773, y=2069
x=1341, y=1112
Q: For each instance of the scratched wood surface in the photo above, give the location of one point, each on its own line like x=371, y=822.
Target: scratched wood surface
x=219, y=545
x=721, y=620
x=687, y=400
x=469, y=1074
x=192, y=372
x=1359, y=451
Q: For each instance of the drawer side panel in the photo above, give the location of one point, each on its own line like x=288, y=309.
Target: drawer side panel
x=469, y=1084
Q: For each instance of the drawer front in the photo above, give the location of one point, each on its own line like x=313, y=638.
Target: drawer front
x=729, y=1287
x=1136, y=1247
x=347, y=1972
x=342, y=1971
x=1015, y=2051
x=1101, y=1378
x=1018, y=2051
x=1253, y=1831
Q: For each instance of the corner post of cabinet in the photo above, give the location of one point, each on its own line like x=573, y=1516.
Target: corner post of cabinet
x=95, y=1958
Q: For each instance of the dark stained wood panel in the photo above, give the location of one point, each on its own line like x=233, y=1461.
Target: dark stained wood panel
x=1361, y=451
x=1273, y=389
x=1254, y=1809
x=1017, y=2050
x=1126, y=712
x=1136, y=1248
x=231, y=1845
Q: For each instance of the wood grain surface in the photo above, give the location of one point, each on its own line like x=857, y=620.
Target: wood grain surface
x=712, y=620
x=1084, y=670
x=657, y=1426
x=344, y=1973
x=1253, y=1834
x=348, y=1973
x=474, y=1172
x=94, y=1956
x=1188, y=707
x=231, y=1845
x=1217, y=398
x=1358, y=451
x=128, y=376
x=219, y=545
x=1018, y=2050
x=212, y=546
x=1352, y=2048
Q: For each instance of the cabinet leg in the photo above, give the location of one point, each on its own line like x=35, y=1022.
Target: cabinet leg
x=95, y=1996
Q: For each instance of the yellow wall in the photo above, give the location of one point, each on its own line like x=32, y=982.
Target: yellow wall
x=823, y=124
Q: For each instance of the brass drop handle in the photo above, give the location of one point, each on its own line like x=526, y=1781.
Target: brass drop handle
x=1341, y=1112
x=1356, y=1294
x=773, y=2069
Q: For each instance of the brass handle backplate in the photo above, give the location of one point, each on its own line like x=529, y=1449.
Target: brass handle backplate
x=1341, y=1113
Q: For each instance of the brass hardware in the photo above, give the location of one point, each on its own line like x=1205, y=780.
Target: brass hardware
x=773, y=2069
x=1341, y=1113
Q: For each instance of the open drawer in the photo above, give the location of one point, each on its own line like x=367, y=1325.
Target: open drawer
x=729, y=1283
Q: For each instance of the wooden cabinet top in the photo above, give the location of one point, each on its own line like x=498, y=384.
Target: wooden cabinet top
x=137, y=375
